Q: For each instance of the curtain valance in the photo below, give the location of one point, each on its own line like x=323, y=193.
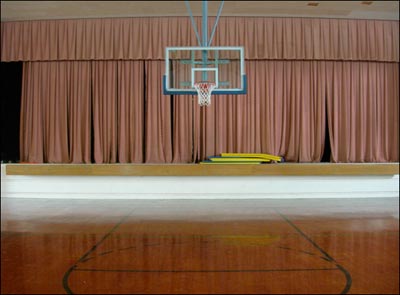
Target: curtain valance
x=147, y=37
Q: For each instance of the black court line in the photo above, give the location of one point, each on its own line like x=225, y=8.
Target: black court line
x=300, y=251
x=121, y=249
x=203, y=271
x=326, y=256
x=84, y=257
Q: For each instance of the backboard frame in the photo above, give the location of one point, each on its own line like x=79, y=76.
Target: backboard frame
x=176, y=91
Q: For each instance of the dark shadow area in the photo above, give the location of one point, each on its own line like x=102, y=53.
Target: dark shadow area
x=11, y=86
x=326, y=157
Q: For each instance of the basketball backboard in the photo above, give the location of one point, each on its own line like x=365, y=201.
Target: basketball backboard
x=185, y=66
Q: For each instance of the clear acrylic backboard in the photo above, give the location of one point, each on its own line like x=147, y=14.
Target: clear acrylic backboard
x=186, y=66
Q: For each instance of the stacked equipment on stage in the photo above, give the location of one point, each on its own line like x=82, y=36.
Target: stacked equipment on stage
x=243, y=158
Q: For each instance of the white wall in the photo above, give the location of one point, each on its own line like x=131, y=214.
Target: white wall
x=197, y=187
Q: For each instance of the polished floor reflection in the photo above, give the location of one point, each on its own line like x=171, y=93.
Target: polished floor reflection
x=317, y=246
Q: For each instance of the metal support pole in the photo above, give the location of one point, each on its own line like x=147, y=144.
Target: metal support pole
x=216, y=22
x=204, y=28
x=204, y=24
x=193, y=23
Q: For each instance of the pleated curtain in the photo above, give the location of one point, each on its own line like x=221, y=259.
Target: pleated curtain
x=72, y=112
x=56, y=113
x=146, y=38
x=363, y=111
x=92, y=90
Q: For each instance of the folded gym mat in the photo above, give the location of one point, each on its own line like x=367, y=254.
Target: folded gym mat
x=229, y=162
x=236, y=159
x=248, y=155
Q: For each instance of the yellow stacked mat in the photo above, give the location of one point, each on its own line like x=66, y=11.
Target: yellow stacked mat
x=258, y=156
x=232, y=160
x=242, y=158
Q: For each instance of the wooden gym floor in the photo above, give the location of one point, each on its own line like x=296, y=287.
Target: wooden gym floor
x=54, y=246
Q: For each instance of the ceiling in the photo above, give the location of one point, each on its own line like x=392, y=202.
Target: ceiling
x=35, y=10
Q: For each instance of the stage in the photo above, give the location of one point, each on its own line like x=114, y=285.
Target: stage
x=195, y=181
x=279, y=169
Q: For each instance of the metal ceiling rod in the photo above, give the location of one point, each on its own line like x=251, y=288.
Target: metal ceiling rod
x=192, y=20
x=216, y=22
x=204, y=23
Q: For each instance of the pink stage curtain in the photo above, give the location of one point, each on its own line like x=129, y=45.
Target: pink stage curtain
x=283, y=113
x=55, y=112
x=185, y=129
x=117, y=105
x=117, y=92
x=158, y=147
x=130, y=114
x=79, y=112
x=58, y=108
x=147, y=37
x=118, y=111
x=105, y=108
x=363, y=111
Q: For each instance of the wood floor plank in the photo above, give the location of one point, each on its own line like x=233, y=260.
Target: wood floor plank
x=319, y=246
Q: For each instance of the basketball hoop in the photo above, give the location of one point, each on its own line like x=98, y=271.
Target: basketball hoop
x=204, y=90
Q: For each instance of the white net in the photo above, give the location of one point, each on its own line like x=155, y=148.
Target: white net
x=204, y=90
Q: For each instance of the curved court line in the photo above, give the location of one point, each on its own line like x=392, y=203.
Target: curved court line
x=84, y=257
x=122, y=249
x=202, y=270
x=305, y=252
x=301, y=251
x=158, y=244
x=324, y=253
